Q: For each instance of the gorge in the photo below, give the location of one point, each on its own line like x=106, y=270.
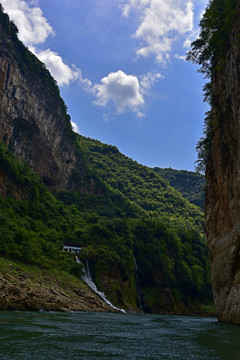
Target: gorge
x=57, y=186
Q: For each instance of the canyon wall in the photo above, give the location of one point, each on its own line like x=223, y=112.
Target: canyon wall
x=223, y=183
x=33, y=119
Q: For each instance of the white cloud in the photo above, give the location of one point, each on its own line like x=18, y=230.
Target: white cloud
x=148, y=80
x=187, y=43
x=180, y=57
x=32, y=25
x=161, y=23
x=123, y=90
x=60, y=71
x=108, y=116
x=126, y=92
x=75, y=127
x=34, y=29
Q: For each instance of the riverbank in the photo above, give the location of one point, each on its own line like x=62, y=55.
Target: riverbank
x=29, y=288
x=24, y=287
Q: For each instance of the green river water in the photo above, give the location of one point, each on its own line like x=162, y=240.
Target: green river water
x=70, y=336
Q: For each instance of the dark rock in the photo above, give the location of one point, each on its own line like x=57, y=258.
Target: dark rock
x=223, y=184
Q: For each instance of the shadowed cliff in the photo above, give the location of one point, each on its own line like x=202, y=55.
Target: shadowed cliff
x=218, y=52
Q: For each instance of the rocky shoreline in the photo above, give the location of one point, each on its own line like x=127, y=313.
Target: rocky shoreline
x=29, y=288
x=21, y=289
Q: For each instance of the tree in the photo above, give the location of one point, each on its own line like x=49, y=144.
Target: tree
x=208, y=51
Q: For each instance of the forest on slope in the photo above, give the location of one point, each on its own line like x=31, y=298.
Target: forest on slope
x=144, y=242
x=142, y=185
x=190, y=184
x=168, y=255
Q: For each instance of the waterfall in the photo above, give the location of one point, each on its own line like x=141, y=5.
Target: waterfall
x=135, y=263
x=87, y=278
x=140, y=297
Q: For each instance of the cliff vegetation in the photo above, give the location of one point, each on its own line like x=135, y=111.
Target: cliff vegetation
x=190, y=184
x=209, y=52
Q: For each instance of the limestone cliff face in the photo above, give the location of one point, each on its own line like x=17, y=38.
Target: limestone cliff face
x=33, y=123
x=223, y=184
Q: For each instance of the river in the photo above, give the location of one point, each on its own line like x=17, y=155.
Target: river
x=72, y=336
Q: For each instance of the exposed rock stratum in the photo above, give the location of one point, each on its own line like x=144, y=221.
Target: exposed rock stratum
x=223, y=184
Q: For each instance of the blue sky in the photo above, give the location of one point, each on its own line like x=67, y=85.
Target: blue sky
x=121, y=69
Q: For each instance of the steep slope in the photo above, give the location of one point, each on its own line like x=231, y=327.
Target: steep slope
x=138, y=261
x=140, y=184
x=223, y=191
x=32, y=289
x=218, y=52
x=33, y=119
x=190, y=184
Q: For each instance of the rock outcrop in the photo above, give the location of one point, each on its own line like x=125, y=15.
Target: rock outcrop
x=223, y=184
x=33, y=119
x=36, y=290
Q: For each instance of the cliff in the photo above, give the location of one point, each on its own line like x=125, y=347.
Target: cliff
x=223, y=181
x=33, y=119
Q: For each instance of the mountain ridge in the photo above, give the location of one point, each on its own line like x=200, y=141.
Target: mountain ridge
x=189, y=183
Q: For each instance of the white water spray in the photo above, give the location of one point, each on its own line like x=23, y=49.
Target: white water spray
x=87, y=278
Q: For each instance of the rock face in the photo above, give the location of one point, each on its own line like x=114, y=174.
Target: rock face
x=223, y=184
x=33, y=122
x=41, y=290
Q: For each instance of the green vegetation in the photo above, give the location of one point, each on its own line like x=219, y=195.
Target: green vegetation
x=209, y=51
x=210, y=48
x=129, y=214
x=169, y=254
x=140, y=184
x=36, y=275
x=158, y=216
x=33, y=230
x=190, y=184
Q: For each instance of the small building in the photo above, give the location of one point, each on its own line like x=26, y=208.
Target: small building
x=72, y=248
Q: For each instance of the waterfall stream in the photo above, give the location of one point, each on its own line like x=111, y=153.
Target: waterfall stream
x=87, y=278
x=140, y=298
